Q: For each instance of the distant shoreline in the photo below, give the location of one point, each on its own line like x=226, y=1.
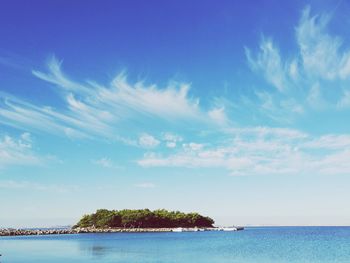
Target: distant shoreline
x=37, y=232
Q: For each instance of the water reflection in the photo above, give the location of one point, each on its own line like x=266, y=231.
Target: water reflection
x=98, y=250
x=95, y=250
x=102, y=247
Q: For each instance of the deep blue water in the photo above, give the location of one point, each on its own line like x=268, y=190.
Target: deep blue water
x=268, y=244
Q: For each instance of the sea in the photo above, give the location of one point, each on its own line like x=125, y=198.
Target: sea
x=254, y=244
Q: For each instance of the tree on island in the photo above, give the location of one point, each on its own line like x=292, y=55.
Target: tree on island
x=143, y=218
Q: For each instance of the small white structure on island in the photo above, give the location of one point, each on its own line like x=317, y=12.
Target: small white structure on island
x=227, y=229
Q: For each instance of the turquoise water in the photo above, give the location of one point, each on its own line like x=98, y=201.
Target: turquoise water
x=270, y=244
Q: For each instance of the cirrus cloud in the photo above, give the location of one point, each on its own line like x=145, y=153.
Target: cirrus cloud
x=17, y=151
x=315, y=77
x=91, y=110
x=262, y=151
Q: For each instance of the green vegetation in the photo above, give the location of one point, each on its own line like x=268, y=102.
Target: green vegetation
x=143, y=218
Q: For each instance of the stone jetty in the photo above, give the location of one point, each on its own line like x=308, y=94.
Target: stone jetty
x=32, y=232
x=67, y=231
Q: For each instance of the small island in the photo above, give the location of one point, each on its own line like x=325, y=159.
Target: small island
x=143, y=218
x=130, y=221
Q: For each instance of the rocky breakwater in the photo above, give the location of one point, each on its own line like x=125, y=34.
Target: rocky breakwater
x=87, y=230
x=32, y=232
x=120, y=230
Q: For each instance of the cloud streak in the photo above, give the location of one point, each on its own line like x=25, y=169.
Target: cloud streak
x=92, y=110
x=262, y=151
x=314, y=78
x=148, y=141
x=18, y=151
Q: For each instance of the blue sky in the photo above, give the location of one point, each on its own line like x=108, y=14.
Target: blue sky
x=237, y=111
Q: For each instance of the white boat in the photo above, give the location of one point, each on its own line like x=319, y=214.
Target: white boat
x=179, y=229
x=229, y=229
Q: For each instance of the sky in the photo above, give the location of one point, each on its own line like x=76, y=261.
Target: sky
x=239, y=111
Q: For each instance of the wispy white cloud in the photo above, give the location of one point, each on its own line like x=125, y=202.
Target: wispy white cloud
x=171, y=140
x=315, y=97
x=320, y=66
x=57, y=77
x=218, y=115
x=269, y=62
x=263, y=131
x=20, y=114
x=107, y=163
x=26, y=136
x=104, y=162
x=148, y=141
x=262, y=151
x=92, y=110
x=329, y=142
x=192, y=146
x=145, y=185
x=18, y=151
x=322, y=54
x=171, y=144
x=172, y=102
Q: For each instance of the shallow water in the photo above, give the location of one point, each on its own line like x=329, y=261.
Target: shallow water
x=263, y=245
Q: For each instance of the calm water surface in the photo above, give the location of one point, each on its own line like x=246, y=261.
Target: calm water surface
x=272, y=244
